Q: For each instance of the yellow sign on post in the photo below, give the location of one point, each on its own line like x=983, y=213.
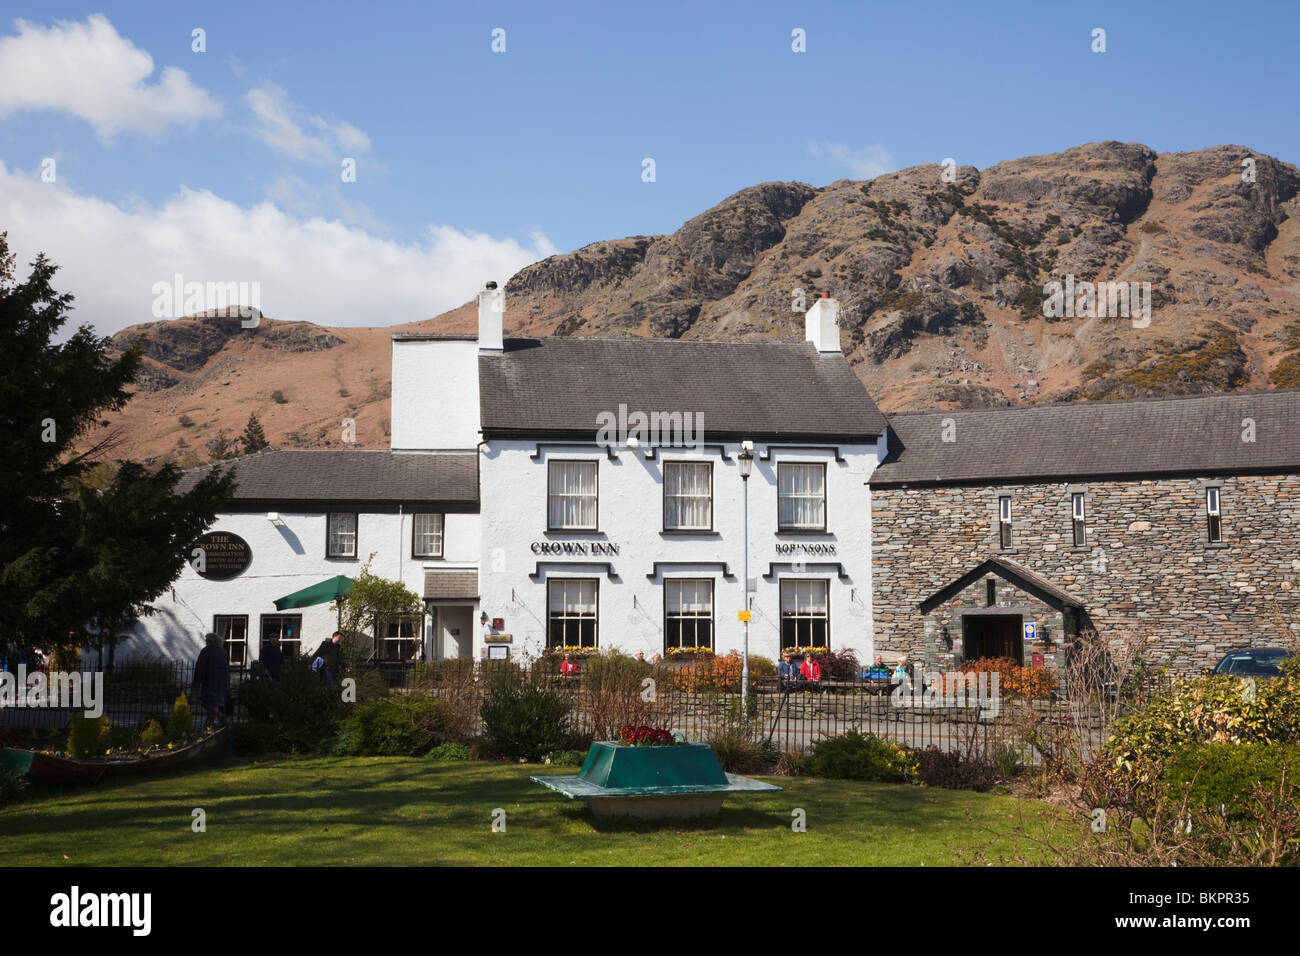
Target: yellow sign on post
x=742, y=615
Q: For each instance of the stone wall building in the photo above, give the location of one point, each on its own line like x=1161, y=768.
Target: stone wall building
x=1008, y=532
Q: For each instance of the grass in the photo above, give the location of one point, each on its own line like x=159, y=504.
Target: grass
x=398, y=811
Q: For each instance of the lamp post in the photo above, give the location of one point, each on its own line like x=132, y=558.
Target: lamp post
x=746, y=459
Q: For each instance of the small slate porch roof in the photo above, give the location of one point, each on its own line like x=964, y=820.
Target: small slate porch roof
x=1041, y=588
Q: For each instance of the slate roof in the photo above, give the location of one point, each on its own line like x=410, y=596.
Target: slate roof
x=451, y=584
x=1040, y=587
x=770, y=390
x=350, y=477
x=1147, y=438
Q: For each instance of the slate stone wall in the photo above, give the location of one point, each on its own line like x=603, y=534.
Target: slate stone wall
x=1147, y=566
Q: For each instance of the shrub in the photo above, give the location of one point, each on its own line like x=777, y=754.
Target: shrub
x=295, y=713
x=12, y=785
x=857, y=756
x=840, y=665
x=955, y=770
x=451, y=750
x=397, y=726
x=792, y=763
x=179, y=724
x=88, y=736
x=1029, y=683
x=1206, y=710
x=525, y=721
x=567, y=758
x=613, y=692
x=721, y=674
x=152, y=736
x=1222, y=775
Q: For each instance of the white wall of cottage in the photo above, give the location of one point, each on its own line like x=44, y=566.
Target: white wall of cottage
x=286, y=557
x=631, y=607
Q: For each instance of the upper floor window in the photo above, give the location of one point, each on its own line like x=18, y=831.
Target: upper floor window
x=571, y=496
x=1213, y=518
x=1004, y=522
x=801, y=492
x=426, y=536
x=688, y=496
x=1076, y=512
x=341, y=536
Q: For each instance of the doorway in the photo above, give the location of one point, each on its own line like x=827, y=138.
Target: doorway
x=993, y=635
x=453, y=632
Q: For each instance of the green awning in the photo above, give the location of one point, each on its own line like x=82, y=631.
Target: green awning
x=326, y=592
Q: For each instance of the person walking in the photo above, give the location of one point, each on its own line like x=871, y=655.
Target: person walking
x=272, y=657
x=325, y=663
x=212, y=677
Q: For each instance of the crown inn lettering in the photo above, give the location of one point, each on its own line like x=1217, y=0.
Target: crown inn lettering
x=576, y=548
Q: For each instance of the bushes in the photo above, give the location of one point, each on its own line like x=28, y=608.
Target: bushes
x=12, y=785
x=1222, y=775
x=734, y=739
x=393, y=727
x=88, y=736
x=152, y=736
x=614, y=692
x=179, y=724
x=291, y=715
x=525, y=721
x=856, y=756
x=1206, y=710
x=721, y=673
x=954, y=770
x=449, y=751
x=1028, y=683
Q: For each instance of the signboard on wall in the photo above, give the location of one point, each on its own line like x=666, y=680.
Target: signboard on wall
x=1031, y=632
x=220, y=556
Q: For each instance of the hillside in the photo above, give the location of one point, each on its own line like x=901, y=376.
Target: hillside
x=941, y=283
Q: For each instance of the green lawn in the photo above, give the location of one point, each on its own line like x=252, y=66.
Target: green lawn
x=408, y=812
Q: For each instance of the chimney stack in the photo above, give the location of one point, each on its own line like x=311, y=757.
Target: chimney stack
x=491, y=318
x=822, y=324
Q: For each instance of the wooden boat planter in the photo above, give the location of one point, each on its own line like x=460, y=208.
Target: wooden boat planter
x=47, y=768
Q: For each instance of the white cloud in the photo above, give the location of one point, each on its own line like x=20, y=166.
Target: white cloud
x=89, y=70
x=865, y=163
x=281, y=126
x=313, y=269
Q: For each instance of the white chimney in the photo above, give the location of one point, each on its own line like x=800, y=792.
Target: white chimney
x=491, y=317
x=822, y=324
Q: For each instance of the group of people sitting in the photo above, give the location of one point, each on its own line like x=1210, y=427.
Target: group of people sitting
x=787, y=672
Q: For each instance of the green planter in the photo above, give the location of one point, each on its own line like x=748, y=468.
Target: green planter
x=611, y=764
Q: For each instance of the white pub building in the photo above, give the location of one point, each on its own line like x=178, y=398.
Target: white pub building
x=566, y=492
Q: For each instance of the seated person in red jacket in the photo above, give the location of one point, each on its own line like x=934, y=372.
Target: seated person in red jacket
x=569, y=668
x=810, y=669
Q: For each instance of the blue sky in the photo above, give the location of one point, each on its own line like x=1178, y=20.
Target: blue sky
x=471, y=163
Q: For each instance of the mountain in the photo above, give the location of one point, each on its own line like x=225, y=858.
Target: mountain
x=940, y=272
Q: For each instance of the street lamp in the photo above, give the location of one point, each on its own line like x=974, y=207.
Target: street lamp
x=746, y=459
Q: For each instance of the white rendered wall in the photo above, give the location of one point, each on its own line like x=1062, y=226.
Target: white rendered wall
x=435, y=394
x=286, y=558
x=514, y=491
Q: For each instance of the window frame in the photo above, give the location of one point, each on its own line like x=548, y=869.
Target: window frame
x=712, y=616
x=550, y=463
x=1006, y=537
x=261, y=633
x=1214, y=515
x=417, y=638
x=442, y=533
x=1079, y=519
x=356, y=536
x=803, y=529
x=595, y=630
x=712, y=509
x=826, y=584
x=217, y=620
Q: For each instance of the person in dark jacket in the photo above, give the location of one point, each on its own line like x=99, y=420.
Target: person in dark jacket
x=272, y=657
x=325, y=662
x=212, y=677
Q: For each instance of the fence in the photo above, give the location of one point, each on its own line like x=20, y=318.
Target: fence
x=604, y=699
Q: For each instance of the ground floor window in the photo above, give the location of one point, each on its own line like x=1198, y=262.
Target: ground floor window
x=233, y=629
x=288, y=628
x=688, y=613
x=805, y=614
x=400, y=638
x=573, y=613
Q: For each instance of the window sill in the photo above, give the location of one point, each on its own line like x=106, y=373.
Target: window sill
x=691, y=534
x=1217, y=545
x=340, y=557
x=570, y=532
x=803, y=531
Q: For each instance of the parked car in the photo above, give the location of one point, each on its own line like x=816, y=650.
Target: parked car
x=1253, y=662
